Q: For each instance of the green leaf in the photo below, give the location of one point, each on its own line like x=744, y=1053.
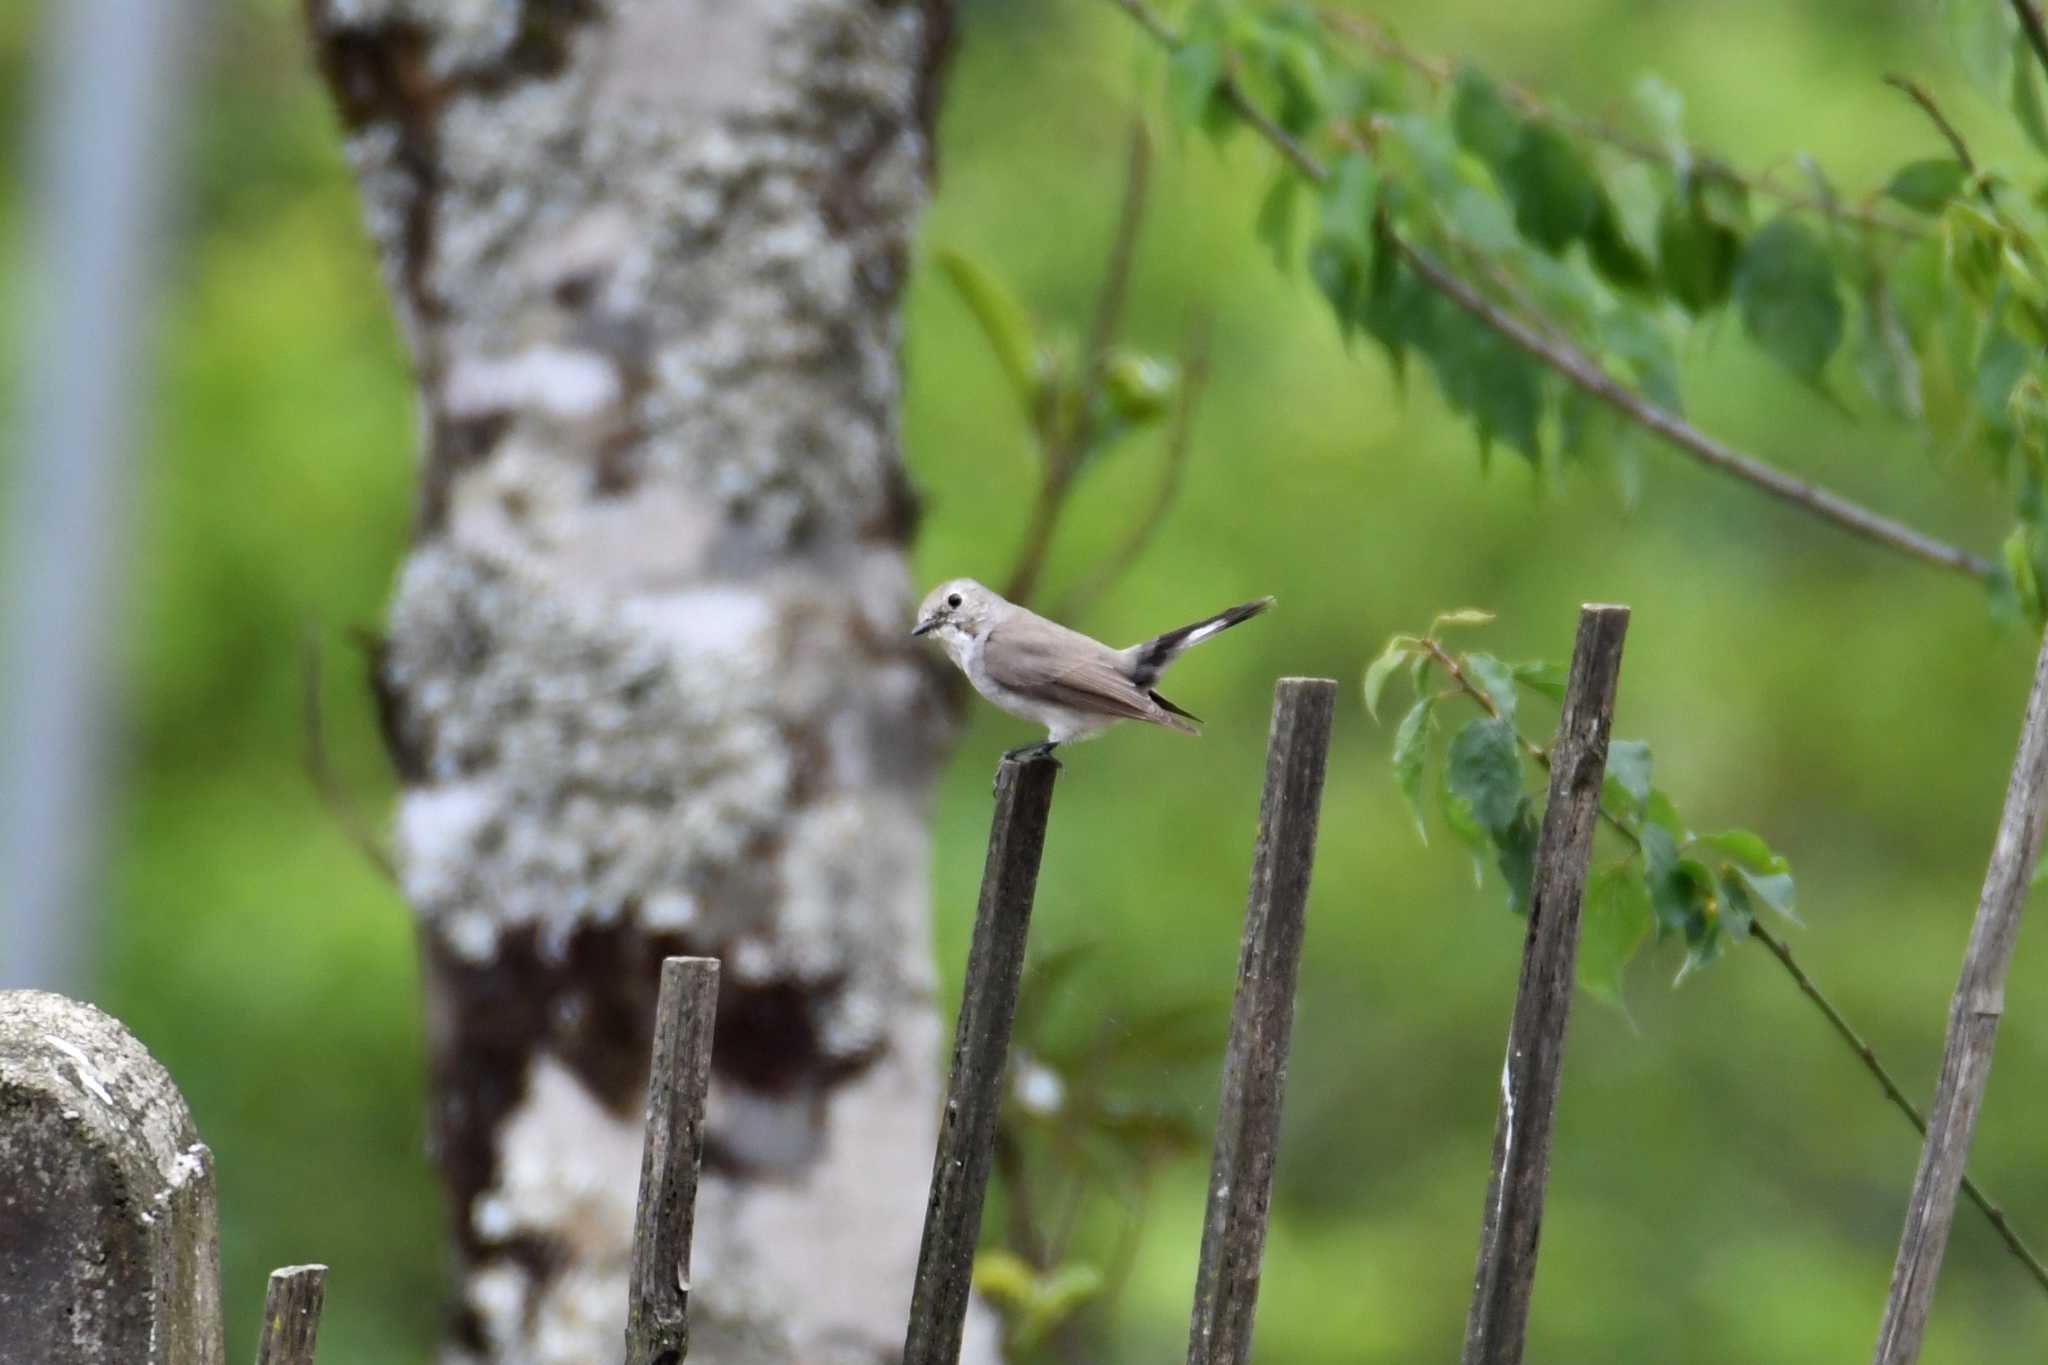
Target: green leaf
x=1003, y=322
x=1516, y=843
x=1458, y=818
x=1276, y=217
x=1663, y=108
x=1485, y=770
x=1391, y=658
x=1615, y=921
x=1926, y=186
x=1737, y=909
x=1637, y=339
x=1790, y=306
x=1411, y=750
x=2026, y=102
x=1628, y=767
x=1745, y=848
x=1193, y=74
x=1463, y=616
x=1496, y=680
x=1774, y=889
x=1696, y=255
x=1057, y=1296
x=1678, y=887
x=2018, y=556
x=1612, y=253
x=1350, y=197
x=1344, y=277
x=2000, y=364
x=1553, y=190
x=1659, y=811
x=1484, y=124
x=1004, y=1278
x=1541, y=677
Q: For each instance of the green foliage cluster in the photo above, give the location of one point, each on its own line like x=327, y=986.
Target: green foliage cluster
x=1614, y=242
x=1669, y=883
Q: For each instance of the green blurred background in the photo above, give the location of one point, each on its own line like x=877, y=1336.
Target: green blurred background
x=1727, y=1183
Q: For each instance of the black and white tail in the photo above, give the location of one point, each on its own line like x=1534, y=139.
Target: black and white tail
x=1150, y=659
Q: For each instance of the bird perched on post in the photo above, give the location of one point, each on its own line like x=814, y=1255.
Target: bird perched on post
x=1040, y=671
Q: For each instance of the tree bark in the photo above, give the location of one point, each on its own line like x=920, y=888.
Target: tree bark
x=647, y=680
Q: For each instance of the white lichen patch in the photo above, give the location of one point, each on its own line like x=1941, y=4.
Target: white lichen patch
x=553, y=380
x=81, y=1065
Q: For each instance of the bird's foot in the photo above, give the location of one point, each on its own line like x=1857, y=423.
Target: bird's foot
x=1042, y=749
x=1023, y=754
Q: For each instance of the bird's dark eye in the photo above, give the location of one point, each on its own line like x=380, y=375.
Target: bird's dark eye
x=954, y=600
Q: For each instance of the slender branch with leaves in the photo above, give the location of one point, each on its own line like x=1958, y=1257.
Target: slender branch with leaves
x=1545, y=267
x=1664, y=883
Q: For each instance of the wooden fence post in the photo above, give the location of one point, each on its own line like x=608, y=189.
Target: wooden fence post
x=111, y=1248
x=1973, y=1016
x=665, y=1219
x=291, y=1315
x=1513, y=1215
x=981, y=1044
x=1261, y=1020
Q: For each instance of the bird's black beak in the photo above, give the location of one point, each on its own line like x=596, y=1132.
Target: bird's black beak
x=925, y=627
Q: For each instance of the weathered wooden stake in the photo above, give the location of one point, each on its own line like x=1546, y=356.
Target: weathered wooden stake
x=981, y=1043
x=1973, y=1017
x=658, y=1296
x=1513, y=1216
x=1261, y=1019
x=291, y=1315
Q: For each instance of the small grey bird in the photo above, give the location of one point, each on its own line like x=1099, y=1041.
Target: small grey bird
x=1040, y=671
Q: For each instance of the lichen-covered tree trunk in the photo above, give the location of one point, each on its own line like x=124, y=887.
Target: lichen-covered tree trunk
x=646, y=677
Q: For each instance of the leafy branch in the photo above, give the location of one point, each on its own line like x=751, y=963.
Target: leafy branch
x=1672, y=155
x=1671, y=883
x=1605, y=275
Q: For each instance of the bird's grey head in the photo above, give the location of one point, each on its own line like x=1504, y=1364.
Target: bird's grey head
x=958, y=611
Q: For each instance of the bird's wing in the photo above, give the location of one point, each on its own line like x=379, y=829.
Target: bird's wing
x=1049, y=663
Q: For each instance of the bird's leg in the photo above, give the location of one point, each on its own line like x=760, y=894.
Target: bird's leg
x=1024, y=753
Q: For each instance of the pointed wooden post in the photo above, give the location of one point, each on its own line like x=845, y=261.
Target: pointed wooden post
x=658, y=1295
x=1513, y=1215
x=981, y=1045
x=1973, y=1015
x=1261, y=1023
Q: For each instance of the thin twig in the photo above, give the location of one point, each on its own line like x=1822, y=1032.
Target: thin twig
x=1588, y=375
x=1194, y=378
x=1924, y=97
x=1993, y=1213
x=1583, y=371
x=1067, y=436
x=1996, y=1215
x=327, y=784
x=2030, y=24
x=1372, y=34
